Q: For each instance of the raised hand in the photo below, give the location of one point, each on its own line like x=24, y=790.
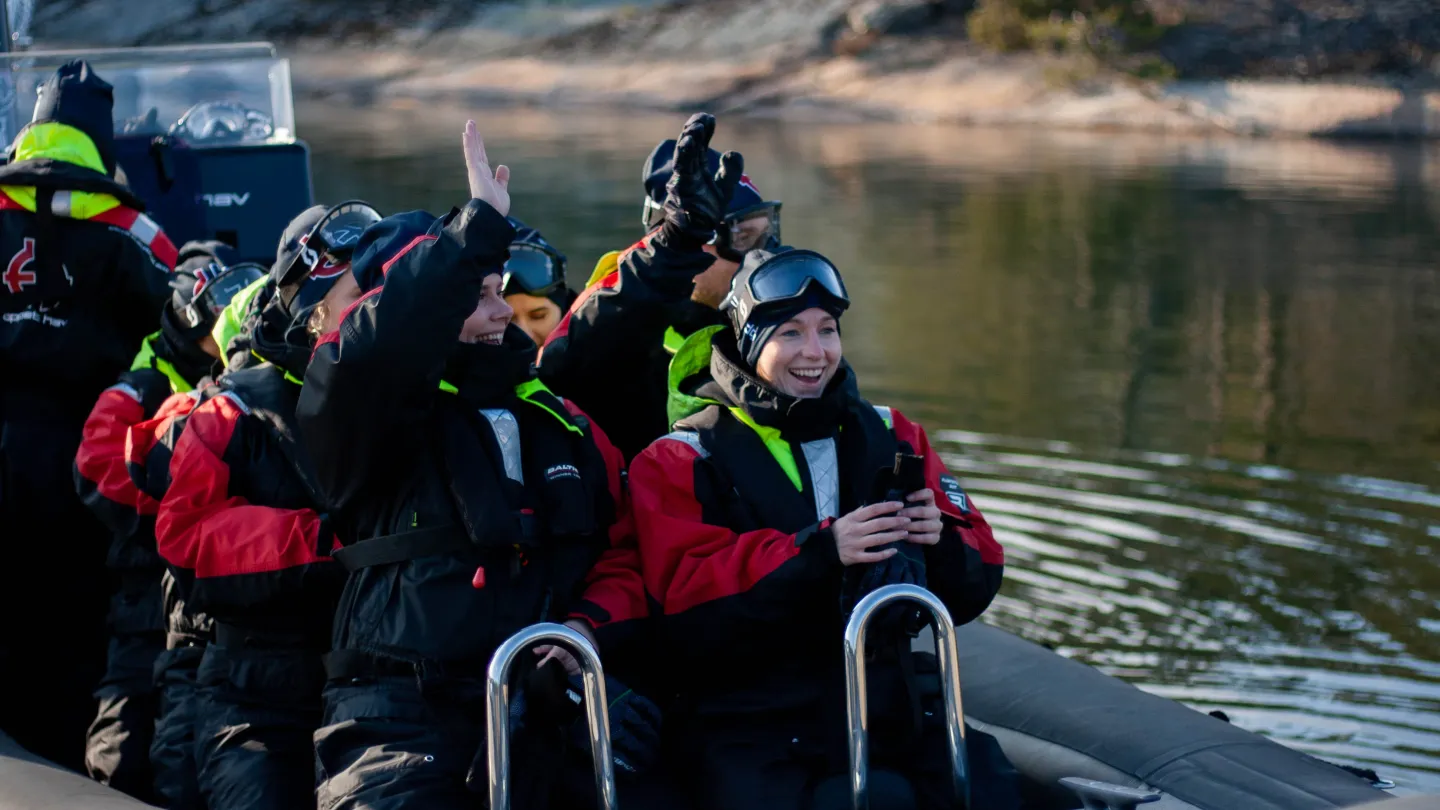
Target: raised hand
x=695, y=201
x=492, y=187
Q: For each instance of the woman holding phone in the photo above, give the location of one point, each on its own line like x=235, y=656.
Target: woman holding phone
x=776, y=503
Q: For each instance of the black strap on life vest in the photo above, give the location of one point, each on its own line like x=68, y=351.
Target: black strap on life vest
x=47, y=242
x=395, y=548
x=350, y=663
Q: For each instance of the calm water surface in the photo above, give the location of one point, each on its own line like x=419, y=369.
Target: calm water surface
x=1195, y=385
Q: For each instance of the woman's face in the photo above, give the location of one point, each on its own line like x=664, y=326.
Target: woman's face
x=536, y=314
x=487, y=323
x=801, y=357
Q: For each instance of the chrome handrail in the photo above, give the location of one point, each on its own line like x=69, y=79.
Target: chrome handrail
x=497, y=710
x=857, y=710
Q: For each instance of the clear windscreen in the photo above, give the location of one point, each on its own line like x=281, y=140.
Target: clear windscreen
x=205, y=95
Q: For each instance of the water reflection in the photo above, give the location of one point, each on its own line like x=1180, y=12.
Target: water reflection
x=1224, y=354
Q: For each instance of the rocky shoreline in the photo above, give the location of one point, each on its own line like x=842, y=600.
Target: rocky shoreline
x=809, y=59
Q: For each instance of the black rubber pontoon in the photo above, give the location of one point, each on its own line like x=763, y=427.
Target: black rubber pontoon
x=28, y=782
x=1057, y=718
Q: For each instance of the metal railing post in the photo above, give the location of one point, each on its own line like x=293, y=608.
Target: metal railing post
x=856, y=698
x=497, y=710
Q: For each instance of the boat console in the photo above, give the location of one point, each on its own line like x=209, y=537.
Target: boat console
x=205, y=135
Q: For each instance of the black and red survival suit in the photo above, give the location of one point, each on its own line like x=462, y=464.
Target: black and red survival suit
x=621, y=332
x=734, y=510
x=171, y=362
x=187, y=630
x=241, y=526
x=473, y=503
x=83, y=276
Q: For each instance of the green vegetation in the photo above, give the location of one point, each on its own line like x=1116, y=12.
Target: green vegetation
x=1115, y=34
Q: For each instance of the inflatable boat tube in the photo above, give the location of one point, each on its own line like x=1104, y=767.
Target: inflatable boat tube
x=28, y=782
x=1056, y=718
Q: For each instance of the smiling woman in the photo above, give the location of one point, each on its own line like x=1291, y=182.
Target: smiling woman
x=776, y=498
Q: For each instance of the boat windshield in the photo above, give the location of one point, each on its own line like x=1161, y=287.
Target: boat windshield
x=204, y=95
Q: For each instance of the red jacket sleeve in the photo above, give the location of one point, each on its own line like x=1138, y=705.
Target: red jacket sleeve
x=966, y=567
x=148, y=445
x=689, y=563
x=101, y=477
x=221, y=537
x=614, y=588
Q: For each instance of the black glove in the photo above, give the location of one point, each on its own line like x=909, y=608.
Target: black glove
x=634, y=726
x=151, y=384
x=905, y=567
x=695, y=202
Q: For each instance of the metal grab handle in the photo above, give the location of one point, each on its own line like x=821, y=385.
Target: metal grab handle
x=856, y=699
x=497, y=710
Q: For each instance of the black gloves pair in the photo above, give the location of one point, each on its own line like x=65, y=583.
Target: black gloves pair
x=696, y=201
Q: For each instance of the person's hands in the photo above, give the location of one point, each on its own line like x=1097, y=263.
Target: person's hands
x=924, y=517
x=868, y=527
x=491, y=187
x=564, y=656
x=695, y=201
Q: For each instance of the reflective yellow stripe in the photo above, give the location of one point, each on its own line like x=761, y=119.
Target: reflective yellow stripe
x=778, y=447
x=528, y=389
x=82, y=204
x=524, y=391
x=146, y=358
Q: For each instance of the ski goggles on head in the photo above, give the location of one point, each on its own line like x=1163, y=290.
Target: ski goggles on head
x=755, y=227
x=789, y=274
x=533, y=271
x=324, y=253
x=782, y=277
x=216, y=285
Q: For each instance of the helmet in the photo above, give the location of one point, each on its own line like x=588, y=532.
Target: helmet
x=535, y=266
x=315, y=250
x=769, y=285
x=203, y=285
x=313, y=254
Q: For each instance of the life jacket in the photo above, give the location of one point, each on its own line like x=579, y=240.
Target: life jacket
x=552, y=477
x=762, y=466
x=147, y=358
x=97, y=199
